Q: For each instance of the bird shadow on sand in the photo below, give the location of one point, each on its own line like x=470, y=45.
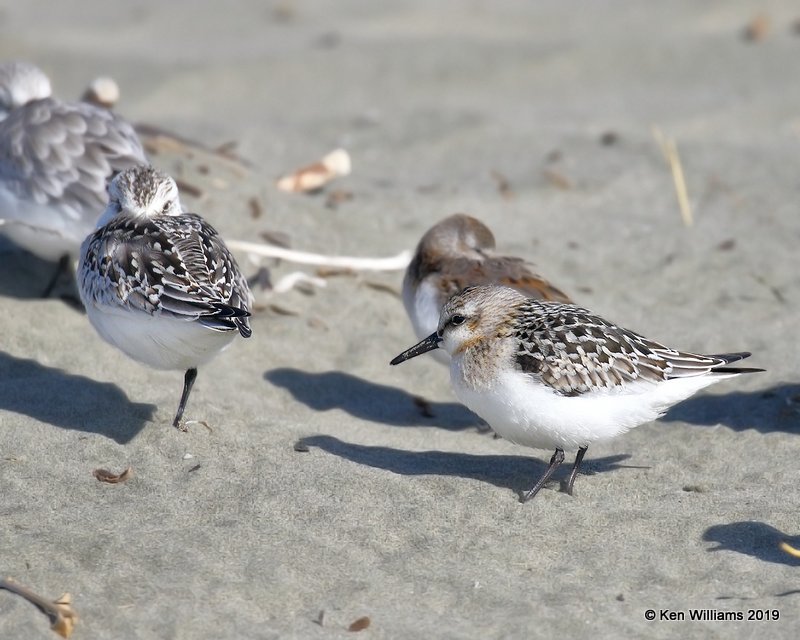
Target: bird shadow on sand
x=756, y=539
x=518, y=473
x=25, y=276
x=69, y=401
x=369, y=400
x=769, y=410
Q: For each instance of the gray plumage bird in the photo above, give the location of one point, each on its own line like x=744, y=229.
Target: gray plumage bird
x=160, y=284
x=551, y=375
x=56, y=159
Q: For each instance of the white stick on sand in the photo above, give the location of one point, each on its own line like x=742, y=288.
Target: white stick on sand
x=394, y=263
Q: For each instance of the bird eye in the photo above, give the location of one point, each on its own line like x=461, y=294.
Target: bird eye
x=457, y=320
x=165, y=208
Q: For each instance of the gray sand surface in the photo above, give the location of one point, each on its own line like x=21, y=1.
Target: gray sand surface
x=415, y=521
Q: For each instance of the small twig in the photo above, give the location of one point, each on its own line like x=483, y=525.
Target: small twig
x=394, y=263
x=291, y=280
x=382, y=286
x=670, y=150
x=156, y=139
x=62, y=616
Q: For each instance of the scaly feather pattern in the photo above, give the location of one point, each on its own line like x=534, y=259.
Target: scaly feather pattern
x=574, y=351
x=174, y=265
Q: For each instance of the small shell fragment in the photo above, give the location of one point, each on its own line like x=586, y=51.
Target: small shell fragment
x=102, y=92
x=315, y=176
x=360, y=624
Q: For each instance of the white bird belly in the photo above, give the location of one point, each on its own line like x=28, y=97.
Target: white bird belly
x=158, y=341
x=47, y=231
x=423, y=307
x=528, y=413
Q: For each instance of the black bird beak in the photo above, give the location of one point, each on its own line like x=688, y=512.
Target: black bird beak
x=428, y=344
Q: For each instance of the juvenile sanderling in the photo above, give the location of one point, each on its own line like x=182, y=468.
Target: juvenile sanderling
x=160, y=284
x=455, y=253
x=55, y=161
x=552, y=375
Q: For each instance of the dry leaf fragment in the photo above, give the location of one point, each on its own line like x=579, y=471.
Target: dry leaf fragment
x=62, y=616
x=694, y=488
x=503, y=185
x=188, y=188
x=255, y=208
x=757, y=29
x=103, y=475
x=282, y=311
x=315, y=176
x=337, y=197
x=202, y=423
x=277, y=238
x=359, y=625
x=316, y=323
x=382, y=286
x=227, y=149
x=557, y=179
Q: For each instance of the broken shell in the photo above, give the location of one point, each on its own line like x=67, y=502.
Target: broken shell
x=336, y=163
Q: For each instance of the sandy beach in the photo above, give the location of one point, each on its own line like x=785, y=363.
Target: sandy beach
x=537, y=118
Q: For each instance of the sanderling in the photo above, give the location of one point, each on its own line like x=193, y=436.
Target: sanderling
x=55, y=160
x=552, y=375
x=160, y=284
x=455, y=253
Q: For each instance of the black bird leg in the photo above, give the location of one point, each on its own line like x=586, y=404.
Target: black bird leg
x=574, y=473
x=557, y=459
x=63, y=267
x=188, y=382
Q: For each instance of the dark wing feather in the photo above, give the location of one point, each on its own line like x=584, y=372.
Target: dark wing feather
x=574, y=351
x=174, y=265
x=512, y=272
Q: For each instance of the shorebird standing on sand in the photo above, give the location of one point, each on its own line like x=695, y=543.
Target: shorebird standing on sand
x=55, y=161
x=160, y=284
x=551, y=375
x=455, y=253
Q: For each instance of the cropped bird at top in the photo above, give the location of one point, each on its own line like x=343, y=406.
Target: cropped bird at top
x=457, y=252
x=160, y=284
x=552, y=375
x=56, y=159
